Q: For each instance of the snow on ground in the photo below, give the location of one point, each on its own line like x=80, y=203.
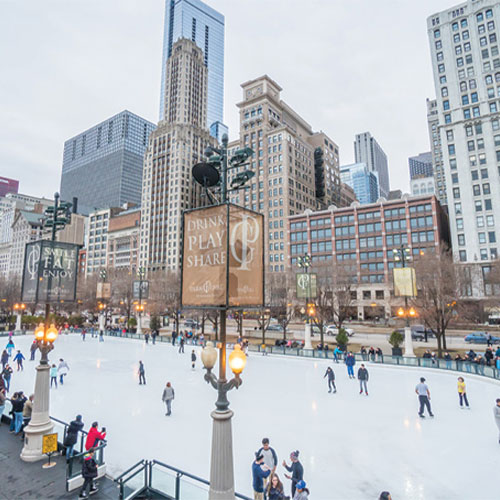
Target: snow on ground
x=351, y=446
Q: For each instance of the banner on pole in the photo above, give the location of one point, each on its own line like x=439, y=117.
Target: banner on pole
x=405, y=283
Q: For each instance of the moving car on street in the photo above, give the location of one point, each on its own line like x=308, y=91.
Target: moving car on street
x=480, y=338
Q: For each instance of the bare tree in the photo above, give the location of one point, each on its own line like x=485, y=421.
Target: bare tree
x=122, y=297
x=281, y=291
x=10, y=293
x=438, y=284
x=165, y=295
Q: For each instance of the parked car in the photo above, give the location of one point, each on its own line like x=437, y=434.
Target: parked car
x=416, y=333
x=333, y=330
x=480, y=338
x=191, y=323
x=275, y=328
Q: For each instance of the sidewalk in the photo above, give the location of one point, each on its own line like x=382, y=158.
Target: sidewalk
x=30, y=481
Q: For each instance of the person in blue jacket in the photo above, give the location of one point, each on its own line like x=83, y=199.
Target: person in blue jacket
x=350, y=361
x=19, y=358
x=337, y=353
x=259, y=472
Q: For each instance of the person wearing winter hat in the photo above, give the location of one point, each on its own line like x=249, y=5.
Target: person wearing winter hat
x=385, y=495
x=259, y=472
x=296, y=469
x=302, y=493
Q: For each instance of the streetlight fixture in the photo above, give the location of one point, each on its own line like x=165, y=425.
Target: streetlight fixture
x=304, y=262
x=403, y=255
x=19, y=310
x=141, y=272
x=40, y=423
x=222, y=471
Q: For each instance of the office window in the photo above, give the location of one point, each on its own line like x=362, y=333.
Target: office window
x=492, y=237
x=461, y=239
x=462, y=255
x=476, y=190
x=460, y=224
x=480, y=221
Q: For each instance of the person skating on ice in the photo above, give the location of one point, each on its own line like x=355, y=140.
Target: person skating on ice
x=193, y=359
x=19, y=358
x=33, y=348
x=142, y=374
x=53, y=375
x=62, y=370
x=350, y=361
x=462, y=393
x=363, y=379
x=167, y=397
x=181, y=344
x=424, y=397
x=496, y=415
x=296, y=469
x=331, y=380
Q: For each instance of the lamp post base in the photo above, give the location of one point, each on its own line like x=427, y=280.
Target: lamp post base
x=18, y=324
x=307, y=337
x=40, y=423
x=408, y=344
x=221, y=464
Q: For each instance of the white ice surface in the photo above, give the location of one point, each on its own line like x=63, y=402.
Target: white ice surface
x=351, y=446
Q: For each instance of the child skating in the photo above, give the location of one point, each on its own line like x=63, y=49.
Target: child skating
x=462, y=393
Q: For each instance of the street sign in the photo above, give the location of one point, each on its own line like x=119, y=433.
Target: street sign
x=140, y=289
x=306, y=286
x=49, y=443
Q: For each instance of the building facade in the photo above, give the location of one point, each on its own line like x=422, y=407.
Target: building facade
x=8, y=186
x=174, y=147
x=285, y=181
x=363, y=181
x=421, y=165
x=123, y=240
x=102, y=166
x=367, y=150
x=422, y=185
x=361, y=238
x=466, y=65
x=196, y=21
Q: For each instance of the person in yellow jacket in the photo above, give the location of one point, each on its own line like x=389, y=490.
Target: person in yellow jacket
x=462, y=393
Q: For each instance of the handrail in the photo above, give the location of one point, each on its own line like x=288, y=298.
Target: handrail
x=179, y=471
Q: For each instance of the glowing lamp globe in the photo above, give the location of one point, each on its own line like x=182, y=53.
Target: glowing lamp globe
x=237, y=360
x=40, y=332
x=401, y=312
x=412, y=312
x=52, y=333
x=209, y=356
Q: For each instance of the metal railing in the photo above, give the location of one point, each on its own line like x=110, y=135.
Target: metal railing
x=161, y=480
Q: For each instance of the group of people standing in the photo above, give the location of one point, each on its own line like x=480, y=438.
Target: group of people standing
x=267, y=484
x=22, y=407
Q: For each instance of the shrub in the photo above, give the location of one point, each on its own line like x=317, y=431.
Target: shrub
x=396, y=339
x=342, y=338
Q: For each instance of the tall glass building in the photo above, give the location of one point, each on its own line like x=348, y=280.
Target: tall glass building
x=362, y=180
x=102, y=166
x=203, y=25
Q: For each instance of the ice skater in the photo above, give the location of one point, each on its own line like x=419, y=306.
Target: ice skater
x=424, y=396
x=5, y=358
x=62, y=370
x=363, y=379
x=331, y=380
x=193, y=359
x=142, y=373
x=350, y=361
x=167, y=397
x=19, y=358
x=33, y=348
x=296, y=469
x=53, y=375
x=496, y=415
x=10, y=346
x=462, y=393
x=181, y=344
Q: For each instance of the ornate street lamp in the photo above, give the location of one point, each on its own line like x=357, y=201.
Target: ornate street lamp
x=222, y=472
x=304, y=262
x=19, y=310
x=40, y=423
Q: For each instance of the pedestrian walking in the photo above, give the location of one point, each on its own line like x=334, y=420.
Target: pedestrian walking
x=94, y=436
x=496, y=415
x=331, y=380
x=33, y=348
x=19, y=358
x=89, y=473
x=62, y=370
x=5, y=358
x=462, y=393
x=75, y=426
x=350, y=361
x=193, y=359
x=6, y=374
x=270, y=458
x=302, y=492
x=260, y=471
x=296, y=469
x=363, y=379
x=424, y=397
x=275, y=489
x=167, y=397
x=53, y=375
x=181, y=343
x=142, y=373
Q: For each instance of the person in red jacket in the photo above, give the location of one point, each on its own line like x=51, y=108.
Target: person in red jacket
x=94, y=436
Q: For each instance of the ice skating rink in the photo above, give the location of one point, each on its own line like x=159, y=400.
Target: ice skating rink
x=351, y=446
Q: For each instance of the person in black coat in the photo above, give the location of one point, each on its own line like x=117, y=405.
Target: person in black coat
x=89, y=473
x=331, y=380
x=296, y=469
x=75, y=426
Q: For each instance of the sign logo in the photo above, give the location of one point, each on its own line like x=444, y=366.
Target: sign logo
x=32, y=262
x=243, y=235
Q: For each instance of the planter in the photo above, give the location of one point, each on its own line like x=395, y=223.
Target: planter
x=397, y=351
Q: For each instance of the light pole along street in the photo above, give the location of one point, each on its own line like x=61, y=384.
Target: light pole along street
x=304, y=262
x=141, y=272
x=402, y=254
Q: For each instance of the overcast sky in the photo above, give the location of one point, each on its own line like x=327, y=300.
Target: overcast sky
x=346, y=66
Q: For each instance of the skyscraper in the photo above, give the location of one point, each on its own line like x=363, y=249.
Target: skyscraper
x=466, y=64
x=420, y=166
x=102, y=166
x=196, y=21
x=362, y=180
x=367, y=150
x=436, y=150
x=8, y=186
x=174, y=147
